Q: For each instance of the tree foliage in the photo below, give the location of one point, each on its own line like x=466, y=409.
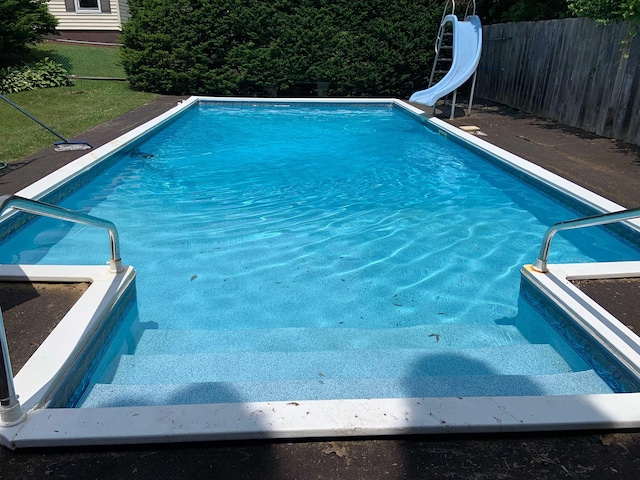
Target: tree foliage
x=604, y=11
x=252, y=47
x=607, y=11
x=22, y=23
x=496, y=11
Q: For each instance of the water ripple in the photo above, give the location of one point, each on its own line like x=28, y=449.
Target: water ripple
x=313, y=220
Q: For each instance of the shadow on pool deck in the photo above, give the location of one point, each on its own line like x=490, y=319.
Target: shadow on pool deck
x=607, y=167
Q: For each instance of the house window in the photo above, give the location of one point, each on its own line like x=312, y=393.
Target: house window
x=88, y=6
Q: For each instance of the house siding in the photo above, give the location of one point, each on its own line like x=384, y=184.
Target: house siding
x=72, y=21
x=123, y=8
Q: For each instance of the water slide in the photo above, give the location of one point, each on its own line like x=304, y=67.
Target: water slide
x=467, y=46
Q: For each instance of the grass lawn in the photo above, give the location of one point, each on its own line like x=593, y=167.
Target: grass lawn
x=67, y=110
x=83, y=60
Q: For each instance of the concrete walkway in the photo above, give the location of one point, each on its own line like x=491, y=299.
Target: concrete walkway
x=607, y=167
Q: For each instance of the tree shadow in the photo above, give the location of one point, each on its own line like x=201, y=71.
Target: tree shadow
x=40, y=54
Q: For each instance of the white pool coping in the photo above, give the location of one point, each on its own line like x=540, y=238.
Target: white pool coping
x=48, y=427
x=62, y=346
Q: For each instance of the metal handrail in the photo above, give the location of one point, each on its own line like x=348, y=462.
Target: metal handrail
x=10, y=411
x=441, y=30
x=446, y=12
x=602, y=219
x=36, y=207
x=469, y=3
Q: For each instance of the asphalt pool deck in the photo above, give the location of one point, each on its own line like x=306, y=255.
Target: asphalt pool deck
x=607, y=167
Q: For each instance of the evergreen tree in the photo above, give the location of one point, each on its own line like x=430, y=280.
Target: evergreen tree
x=252, y=47
x=23, y=23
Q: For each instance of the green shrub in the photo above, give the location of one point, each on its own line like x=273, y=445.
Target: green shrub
x=43, y=74
x=227, y=47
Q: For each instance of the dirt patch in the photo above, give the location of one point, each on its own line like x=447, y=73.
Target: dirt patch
x=31, y=311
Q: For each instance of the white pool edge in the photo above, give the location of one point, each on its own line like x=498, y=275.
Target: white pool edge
x=303, y=419
x=54, y=358
x=321, y=419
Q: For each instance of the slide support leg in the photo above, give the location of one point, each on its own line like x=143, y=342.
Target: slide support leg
x=473, y=89
x=453, y=105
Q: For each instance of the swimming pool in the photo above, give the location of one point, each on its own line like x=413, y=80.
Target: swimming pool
x=360, y=239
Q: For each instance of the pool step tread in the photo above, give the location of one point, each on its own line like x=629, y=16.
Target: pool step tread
x=267, y=366
x=439, y=336
x=575, y=383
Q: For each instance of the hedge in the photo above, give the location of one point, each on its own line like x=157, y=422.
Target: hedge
x=255, y=47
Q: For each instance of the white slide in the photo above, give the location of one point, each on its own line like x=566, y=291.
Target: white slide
x=467, y=46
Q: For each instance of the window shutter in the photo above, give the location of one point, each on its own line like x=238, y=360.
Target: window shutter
x=105, y=6
x=70, y=5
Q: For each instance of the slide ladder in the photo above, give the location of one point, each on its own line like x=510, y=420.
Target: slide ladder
x=458, y=47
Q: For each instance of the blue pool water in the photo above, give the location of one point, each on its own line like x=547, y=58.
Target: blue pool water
x=289, y=252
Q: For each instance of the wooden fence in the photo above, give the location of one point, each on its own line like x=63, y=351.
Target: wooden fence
x=572, y=71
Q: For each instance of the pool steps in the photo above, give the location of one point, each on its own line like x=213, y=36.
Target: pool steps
x=223, y=369
x=452, y=335
x=378, y=363
x=110, y=395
